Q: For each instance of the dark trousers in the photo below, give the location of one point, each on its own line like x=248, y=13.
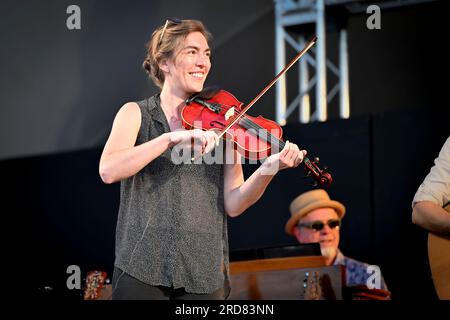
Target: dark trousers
x=126, y=287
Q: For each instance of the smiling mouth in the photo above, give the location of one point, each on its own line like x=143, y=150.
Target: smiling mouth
x=197, y=75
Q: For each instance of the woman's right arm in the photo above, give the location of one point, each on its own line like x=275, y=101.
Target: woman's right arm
x=121, y=158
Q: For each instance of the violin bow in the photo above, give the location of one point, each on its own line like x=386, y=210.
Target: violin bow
x=263, y=91
x=321, y=176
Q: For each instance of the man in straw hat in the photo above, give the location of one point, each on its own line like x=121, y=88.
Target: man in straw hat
x=317, y=218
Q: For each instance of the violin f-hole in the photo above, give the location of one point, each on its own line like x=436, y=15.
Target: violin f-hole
x=212, y=124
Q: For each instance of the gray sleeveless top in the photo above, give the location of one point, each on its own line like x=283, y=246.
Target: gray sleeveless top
x=172, y=227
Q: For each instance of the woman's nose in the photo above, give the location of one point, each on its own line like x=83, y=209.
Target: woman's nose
x=202, y=60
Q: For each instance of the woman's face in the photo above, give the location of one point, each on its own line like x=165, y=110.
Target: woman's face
x=187, y=73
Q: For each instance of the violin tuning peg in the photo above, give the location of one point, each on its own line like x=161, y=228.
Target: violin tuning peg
x=316, y=159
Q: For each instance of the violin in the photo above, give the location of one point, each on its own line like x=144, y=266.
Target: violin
x=253, y=137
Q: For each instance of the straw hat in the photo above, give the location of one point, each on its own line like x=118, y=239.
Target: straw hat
x=309, y=201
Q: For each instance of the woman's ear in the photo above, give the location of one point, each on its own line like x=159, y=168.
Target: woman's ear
x=163, y=65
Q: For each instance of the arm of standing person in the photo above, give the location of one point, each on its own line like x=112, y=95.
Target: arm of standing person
x=239, y=194
x=121, y=158
x=433, y=194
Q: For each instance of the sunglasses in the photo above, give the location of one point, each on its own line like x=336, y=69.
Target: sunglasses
x=171, y=21
x=319, y=225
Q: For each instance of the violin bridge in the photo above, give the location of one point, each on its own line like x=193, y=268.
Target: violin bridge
x=230, y=113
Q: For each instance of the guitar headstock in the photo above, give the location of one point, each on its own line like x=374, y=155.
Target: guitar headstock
x=95, y=281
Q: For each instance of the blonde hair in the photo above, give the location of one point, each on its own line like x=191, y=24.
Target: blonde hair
x=164, y=43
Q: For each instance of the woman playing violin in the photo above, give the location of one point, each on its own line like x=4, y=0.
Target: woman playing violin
x=171, y=235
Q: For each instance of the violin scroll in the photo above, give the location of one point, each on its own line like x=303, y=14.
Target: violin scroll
x=321, y=176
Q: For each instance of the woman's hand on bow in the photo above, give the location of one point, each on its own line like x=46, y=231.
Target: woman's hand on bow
x=200, y=140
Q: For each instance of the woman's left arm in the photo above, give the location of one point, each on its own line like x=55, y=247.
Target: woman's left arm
x=239, y=194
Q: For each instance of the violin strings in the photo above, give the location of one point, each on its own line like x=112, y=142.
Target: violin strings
x=279, y=143
x=272, y=139
x=252, y=125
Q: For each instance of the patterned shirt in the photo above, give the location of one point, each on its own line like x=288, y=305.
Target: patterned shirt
x=356, y=272
x=172, y=226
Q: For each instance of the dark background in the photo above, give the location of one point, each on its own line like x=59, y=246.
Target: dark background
x=60, y=90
